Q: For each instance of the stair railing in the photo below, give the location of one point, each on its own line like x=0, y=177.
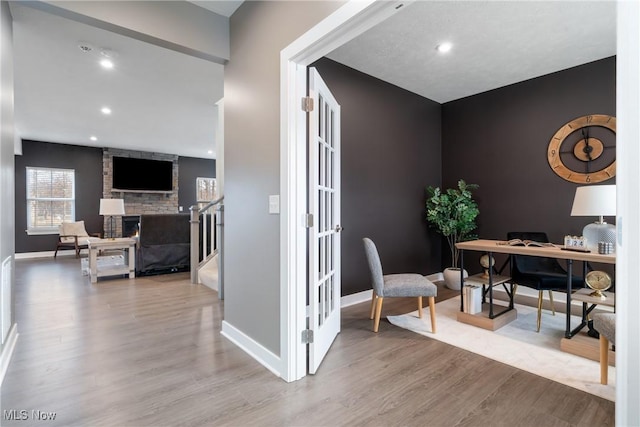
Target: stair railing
x=207, y=240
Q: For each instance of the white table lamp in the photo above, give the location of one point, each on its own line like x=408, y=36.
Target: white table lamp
x=111, y=208
x=600, y=201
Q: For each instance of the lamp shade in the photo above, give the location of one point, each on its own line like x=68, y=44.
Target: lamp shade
x=594, y=200
x=111, y=207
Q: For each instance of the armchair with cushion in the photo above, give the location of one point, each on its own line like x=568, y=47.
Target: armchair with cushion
x=540, y=273
x=397, y=285
x=73, y=235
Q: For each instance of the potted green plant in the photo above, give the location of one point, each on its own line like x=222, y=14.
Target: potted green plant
x=453, y=214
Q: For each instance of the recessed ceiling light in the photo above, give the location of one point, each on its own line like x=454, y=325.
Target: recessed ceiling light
x=210, y=152
x=444, y=47
x=106, y=63
x=93, y=138
x=106, y=110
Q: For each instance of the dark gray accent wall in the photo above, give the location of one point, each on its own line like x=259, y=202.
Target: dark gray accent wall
x=390, y=153
x=190, y=168
x=498, y=139
x=87, y=163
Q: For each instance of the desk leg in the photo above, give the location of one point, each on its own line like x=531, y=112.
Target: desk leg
x=490, y=288
x=567, y=332
x=461, y=279
x=93, y=265
x=132, y=261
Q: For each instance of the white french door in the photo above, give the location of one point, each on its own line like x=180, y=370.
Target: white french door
x=324, y=232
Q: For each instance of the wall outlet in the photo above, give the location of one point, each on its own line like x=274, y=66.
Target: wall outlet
x=179, y=208
x=274, y=204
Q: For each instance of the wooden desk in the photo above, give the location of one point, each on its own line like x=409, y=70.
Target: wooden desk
x=495, y=246
x=111, y=244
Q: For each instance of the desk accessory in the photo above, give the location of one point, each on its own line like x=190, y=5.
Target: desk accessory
x=600, y=201
x=486, y=261
x=599, y=281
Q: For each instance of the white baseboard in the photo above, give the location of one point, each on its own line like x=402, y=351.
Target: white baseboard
x=7, y=350
x=48, y=254
x=254, y=349
x=356, y=298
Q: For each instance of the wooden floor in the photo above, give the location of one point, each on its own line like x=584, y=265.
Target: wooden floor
x=148, y=352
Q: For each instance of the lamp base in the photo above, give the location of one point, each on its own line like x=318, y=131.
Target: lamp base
x=599, y=232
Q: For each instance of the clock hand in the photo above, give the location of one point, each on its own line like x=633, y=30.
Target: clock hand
x=587, y=148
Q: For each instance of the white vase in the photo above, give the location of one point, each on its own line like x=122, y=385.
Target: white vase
x=452, y=277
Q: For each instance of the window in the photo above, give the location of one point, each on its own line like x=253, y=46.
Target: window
x=50, y=199
x=205, y=190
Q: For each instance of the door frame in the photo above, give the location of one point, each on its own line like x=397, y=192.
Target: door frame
x=344, y=24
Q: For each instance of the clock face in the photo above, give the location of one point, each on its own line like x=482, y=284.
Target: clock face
x=584, y=150
x=598, y=280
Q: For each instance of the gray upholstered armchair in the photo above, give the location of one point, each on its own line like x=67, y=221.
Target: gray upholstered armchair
x=397, y=285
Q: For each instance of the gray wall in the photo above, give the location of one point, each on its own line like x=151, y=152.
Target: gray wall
x=7, y=224
x=190, y=168
x=499, y=140
x=390, y=152
x=259, y=31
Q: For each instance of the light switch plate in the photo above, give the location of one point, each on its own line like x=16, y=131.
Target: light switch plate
x=274, y=204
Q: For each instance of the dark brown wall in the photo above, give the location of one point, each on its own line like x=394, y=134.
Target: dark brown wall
x=86, y=161
x=190, y=168
x=390, y=153
x=499, y=140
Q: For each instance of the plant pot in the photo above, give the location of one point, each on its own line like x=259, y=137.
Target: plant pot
x=452, y=277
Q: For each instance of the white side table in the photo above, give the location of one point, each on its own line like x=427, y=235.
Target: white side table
x=96, y=270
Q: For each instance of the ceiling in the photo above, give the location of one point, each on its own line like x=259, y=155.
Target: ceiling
x=158, y=107
x=495, y=44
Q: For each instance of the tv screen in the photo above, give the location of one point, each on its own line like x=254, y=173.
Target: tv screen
x=131, y=174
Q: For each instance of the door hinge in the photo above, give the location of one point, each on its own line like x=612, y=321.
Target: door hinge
x=307, y=336
x=307, y=104
x=308, y=220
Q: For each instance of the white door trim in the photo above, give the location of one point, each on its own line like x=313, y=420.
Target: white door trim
x=350, y=20
x=628, y=213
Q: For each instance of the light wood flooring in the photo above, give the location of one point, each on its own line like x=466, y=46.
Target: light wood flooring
x=148, y=352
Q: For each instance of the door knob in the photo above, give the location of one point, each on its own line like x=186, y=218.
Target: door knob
x=339, y=228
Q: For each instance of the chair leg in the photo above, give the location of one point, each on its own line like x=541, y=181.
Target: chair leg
x=373, y=304
x=553, y=308
x=420, y=307
x=540, y=293
x=604, y=360
x=55, y=254
x=376, y=321
x=432, y=312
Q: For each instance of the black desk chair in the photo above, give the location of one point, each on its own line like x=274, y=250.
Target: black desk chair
x=542, y=274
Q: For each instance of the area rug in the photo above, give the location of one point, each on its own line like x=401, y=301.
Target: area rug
x=517, y=344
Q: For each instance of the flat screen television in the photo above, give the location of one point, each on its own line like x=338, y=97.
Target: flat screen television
x=142, y=175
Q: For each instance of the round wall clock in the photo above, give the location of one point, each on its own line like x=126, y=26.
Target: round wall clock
x=584, y=150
